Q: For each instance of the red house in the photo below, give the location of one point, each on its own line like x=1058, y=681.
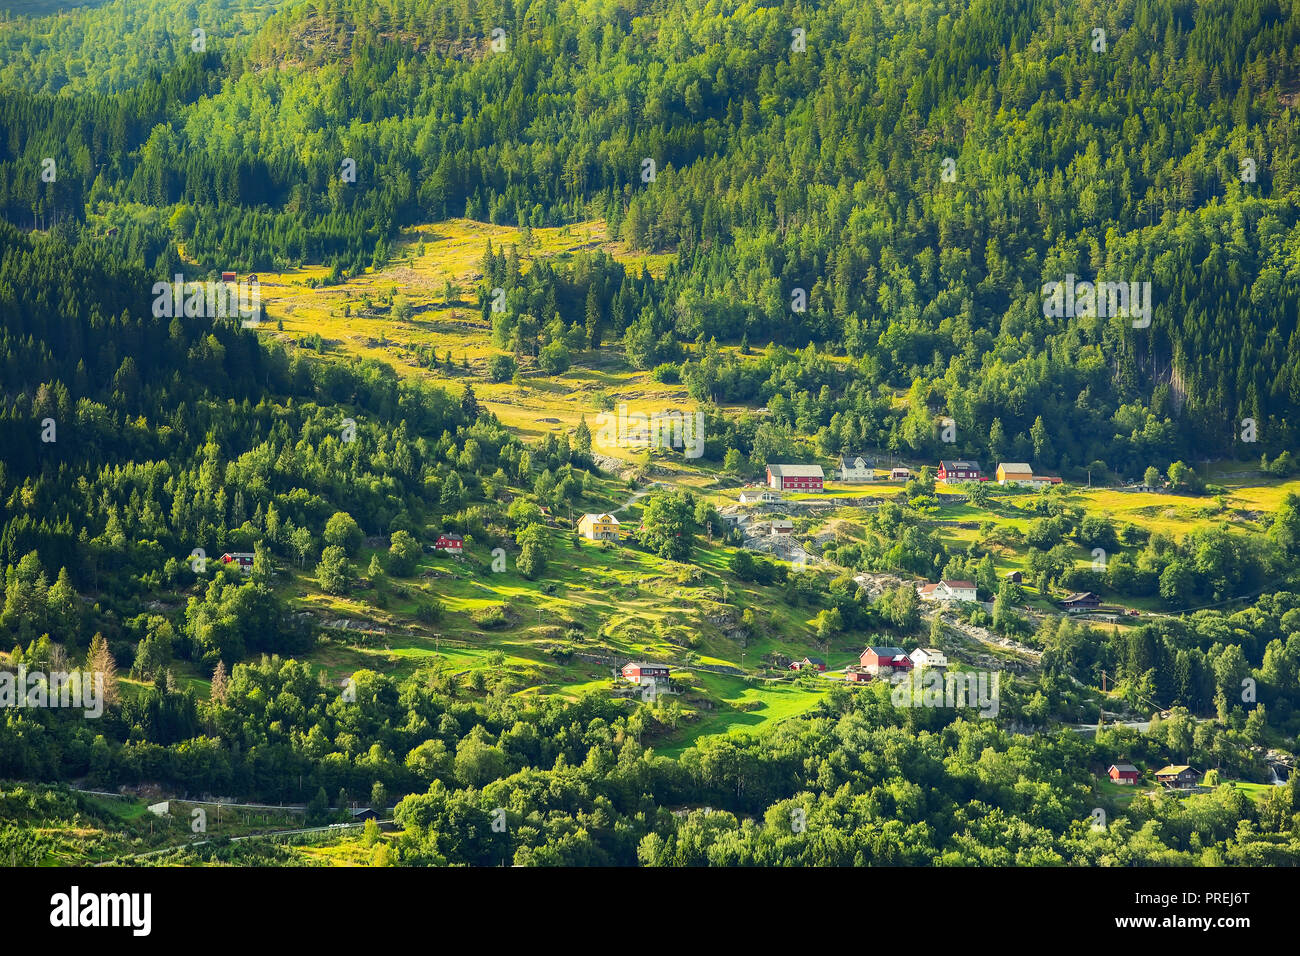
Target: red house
x=959, y=470
x=813, y=663
x=885, y=660
x=229, y=276
x=857, y=674
x=796, y=477
x=639, y=673
x=1124, y=773
x=243, y=558
x=453, y=544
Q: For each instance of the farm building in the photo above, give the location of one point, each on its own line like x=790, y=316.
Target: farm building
x=885, y=661
x=795, y=477
x=900, y=474
x=857, y=674
x=1124, y=773
x=1019, y=473
x=809, y=663
x=755, y=497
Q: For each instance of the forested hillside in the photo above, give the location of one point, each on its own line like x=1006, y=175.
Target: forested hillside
x=852, y=209
x=820, y=170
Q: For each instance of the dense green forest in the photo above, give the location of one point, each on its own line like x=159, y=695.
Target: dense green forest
x=775, y=170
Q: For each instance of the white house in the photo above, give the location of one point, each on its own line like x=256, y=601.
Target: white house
x=763, y=496
x=948, y=591
x=924, y=657
x=857, y=468
x=782, y=526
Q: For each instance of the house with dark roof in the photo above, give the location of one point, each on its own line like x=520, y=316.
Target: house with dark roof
x=857, y=468
x=958, y=470
x=641, y=673
x=885, y=661
x=1178, y=776
x=1124, y=773
x=1080, y=601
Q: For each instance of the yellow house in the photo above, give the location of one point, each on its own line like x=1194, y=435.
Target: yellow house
x=598, y=527
x=1014, y=473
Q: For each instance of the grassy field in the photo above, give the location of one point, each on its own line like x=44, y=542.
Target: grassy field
x=436, y=268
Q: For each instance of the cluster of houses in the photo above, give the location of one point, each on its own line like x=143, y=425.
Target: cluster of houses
x=1007, y=474
x=884, y=663
x=860, y=468
x=1175, y=776
x=946, y=591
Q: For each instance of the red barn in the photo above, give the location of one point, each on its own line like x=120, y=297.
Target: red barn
x=1124, y=773
x=885, y=660
x=453, y=544
x=796, y=477
x=229, y=276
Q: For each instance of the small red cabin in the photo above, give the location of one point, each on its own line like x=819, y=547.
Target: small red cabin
x=451, y=543
x=1124, y=773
